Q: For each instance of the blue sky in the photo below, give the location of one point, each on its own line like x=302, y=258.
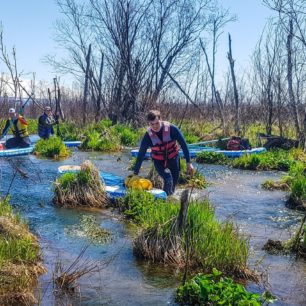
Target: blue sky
x=29, y=26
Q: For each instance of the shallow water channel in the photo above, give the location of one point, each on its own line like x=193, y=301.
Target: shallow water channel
x=126, y=281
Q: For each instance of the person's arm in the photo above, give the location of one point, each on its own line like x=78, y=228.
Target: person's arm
x=176, y=134
x=6, y=128
x=145, y=144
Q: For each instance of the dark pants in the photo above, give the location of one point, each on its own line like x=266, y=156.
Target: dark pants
x=18, y=143
x=170, y=174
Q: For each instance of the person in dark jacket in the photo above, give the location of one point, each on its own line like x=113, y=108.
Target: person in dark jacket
x=163, y=137
x=19, y=128
x=46, y=122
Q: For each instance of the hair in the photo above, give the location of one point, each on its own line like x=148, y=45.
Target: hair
x=153, y=114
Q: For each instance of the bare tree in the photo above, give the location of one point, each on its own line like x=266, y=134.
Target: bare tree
x=292, y=15
x=236, y=97
x=217, y=22
x=11, y=64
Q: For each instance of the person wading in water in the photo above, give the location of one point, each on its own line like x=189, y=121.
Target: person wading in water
x=162, y=137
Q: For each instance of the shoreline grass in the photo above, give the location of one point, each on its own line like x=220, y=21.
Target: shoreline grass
x=20, y=263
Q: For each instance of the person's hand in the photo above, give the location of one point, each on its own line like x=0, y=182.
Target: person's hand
x=190, y=169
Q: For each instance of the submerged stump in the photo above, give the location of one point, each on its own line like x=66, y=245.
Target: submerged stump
x=83, y=188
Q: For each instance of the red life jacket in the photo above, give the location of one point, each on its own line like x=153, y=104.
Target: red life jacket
x=166, y=148
x=233, y=145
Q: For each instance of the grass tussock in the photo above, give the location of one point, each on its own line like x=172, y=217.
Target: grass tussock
x=273, y=160
x=210, y=243
x=107, y=141
x=19, y=259
x=83, y=188
x=52, y=147
x=295, y=182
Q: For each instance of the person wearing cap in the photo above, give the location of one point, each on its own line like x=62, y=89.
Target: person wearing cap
x=163, y=138
x=19, y=127
x=46, y=122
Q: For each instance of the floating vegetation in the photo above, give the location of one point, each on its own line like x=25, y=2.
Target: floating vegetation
x=275, y=185
x=52, y=147
x=83, y=188
x=214, y=289
x=91, y=229
x=20, y=264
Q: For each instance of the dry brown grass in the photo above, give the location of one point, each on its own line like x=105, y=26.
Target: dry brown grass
x=85, y=188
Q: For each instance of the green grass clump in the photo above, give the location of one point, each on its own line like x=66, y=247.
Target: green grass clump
x=190, y=138
x=106, y=141
x=52, y=147
x=18, y=250
x=82, y=188
x=298, y=192
x=212, y=158
x=70, y=131
x=16, y=243
x=295, y=181
x=143, y=209
x=213, y=289
x=212, y=244
x=128, y=136
x=273, y=160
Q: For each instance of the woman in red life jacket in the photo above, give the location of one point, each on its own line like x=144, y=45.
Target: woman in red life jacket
x=163, y=137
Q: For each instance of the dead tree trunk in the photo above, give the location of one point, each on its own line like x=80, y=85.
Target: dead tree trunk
x=57, y=97
x=232, y=63
x=292, y=102
x=99, y=98
x=86, y=85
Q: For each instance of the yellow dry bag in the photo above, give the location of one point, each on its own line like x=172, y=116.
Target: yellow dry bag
x=137, y=182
